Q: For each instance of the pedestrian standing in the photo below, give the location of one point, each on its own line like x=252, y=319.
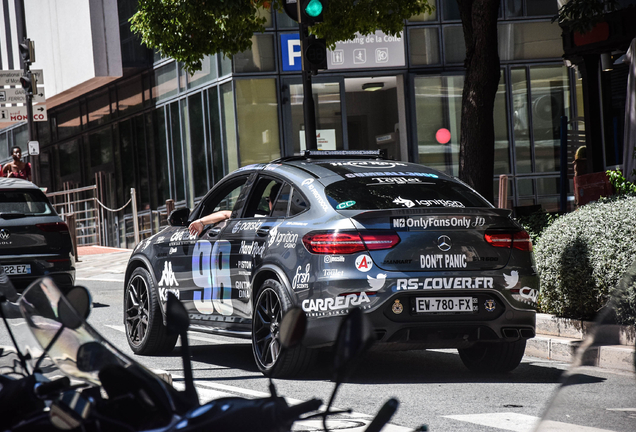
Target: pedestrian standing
x=17, y=168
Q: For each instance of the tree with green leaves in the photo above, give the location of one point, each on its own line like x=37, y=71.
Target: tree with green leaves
x=187, y=30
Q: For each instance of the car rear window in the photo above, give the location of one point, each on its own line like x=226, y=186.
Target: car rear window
x=24, y=203
x=400, y=192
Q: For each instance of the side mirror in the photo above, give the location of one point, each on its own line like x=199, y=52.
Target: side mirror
x=179, y=217
x=292, y=327
x=355, y=336
x=77, y=305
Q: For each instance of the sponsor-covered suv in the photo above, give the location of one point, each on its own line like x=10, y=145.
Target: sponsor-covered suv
x=431, y=262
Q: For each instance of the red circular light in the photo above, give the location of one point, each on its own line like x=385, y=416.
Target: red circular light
x=443, y=136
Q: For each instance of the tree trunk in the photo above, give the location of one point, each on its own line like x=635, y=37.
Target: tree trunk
x=477, y=139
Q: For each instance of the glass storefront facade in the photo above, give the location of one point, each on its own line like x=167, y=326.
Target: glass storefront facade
x=172, y=135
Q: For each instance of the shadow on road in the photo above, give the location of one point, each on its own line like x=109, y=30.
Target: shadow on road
x=382, y=367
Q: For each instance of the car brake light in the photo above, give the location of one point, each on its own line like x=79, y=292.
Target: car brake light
x=342, y=243
x=519, y=240
x=53, y=227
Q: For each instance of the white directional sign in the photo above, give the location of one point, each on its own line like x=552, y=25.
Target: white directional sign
x=19, y=113
x=12, y=77
x=17, y=95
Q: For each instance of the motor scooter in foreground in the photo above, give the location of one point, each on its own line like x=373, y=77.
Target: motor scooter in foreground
x=102, y=389
x=593, y=399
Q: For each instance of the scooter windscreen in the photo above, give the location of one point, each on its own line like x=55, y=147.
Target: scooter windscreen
x=600, y=399
x=70, y=342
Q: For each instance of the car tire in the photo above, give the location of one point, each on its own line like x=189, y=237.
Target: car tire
x=269, y=308
x=497, y=357
x=143, y=321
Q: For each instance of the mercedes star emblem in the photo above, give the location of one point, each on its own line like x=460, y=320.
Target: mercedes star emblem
x=4, y=234
x=444, y=243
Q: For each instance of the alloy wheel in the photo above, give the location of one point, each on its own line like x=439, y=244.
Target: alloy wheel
x=267, y=316
x=137, y=306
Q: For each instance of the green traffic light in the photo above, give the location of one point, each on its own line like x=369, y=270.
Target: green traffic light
x=314, y=8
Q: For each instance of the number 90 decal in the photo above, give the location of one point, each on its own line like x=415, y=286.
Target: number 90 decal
x=211, y=271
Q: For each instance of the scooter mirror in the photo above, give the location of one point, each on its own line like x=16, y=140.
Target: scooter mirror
x=355, y=336
x=292, y=327
x=177, y=319
x=77, y=305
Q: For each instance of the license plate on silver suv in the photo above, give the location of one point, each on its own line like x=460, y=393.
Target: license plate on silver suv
x=14, y=269
x=445, y=304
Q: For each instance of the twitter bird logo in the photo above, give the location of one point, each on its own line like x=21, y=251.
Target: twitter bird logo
x=376, y=283
x=512, y=279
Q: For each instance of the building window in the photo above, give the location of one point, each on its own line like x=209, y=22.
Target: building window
x=229, y=127
x=197, y=145
x=260, y=58
x=529, y=8
x=101, y=148
x=454, y=45
x=424, y=46
x=534, y=40
x=99, y=109
x=206, y=74
x=165, y=82
x=69, y=122
x=130, y=95
x=178, y=152
x=257, y=119
x=215, y=142
x=160, y=145
x=68, y=157
x=425, y=17
x=438, y=101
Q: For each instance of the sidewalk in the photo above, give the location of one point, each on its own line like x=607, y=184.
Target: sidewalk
x=556, y=339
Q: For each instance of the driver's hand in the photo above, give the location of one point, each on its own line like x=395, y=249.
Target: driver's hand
x=196, y=227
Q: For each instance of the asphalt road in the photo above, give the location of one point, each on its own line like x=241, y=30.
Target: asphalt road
x=433, y=387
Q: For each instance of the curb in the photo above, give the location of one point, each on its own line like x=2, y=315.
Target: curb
x=558, y=339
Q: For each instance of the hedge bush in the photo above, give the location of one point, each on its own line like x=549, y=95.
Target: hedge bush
x=536, y=223
x=582, y=255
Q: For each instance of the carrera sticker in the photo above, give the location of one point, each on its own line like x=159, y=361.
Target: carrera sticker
x=443, y=261
x=364, y=263
x=529, y=294
x=301, y=278
x=423, y=223
x=167, y=276
x=211, y=271
x=246, y=226
x=333, y=258
x=405, y=202
x=254, y=249
x=346, y=204
x=333, y=304
x=444, y=283
x=391, y=174
x=376, y=283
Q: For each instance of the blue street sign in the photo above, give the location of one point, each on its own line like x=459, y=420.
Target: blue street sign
x=290, y=48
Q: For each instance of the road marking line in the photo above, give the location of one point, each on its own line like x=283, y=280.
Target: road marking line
x=506, y=421
x=191, y=336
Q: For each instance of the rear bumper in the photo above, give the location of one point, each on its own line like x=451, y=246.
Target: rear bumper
x=60, y=268
x=397, y=326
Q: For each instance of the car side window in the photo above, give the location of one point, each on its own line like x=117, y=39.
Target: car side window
x=225, y=199
x=279, y=208
x=263, y=197
x=298, y=203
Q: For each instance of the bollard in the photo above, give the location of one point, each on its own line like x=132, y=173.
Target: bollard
x=133, y=196
x=72, y=230
x=169, y=206
x=503, y=191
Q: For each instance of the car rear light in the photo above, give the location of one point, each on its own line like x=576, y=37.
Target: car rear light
x=377, y=241
x=519, y=240
x=342, y=243
x=53, y=227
